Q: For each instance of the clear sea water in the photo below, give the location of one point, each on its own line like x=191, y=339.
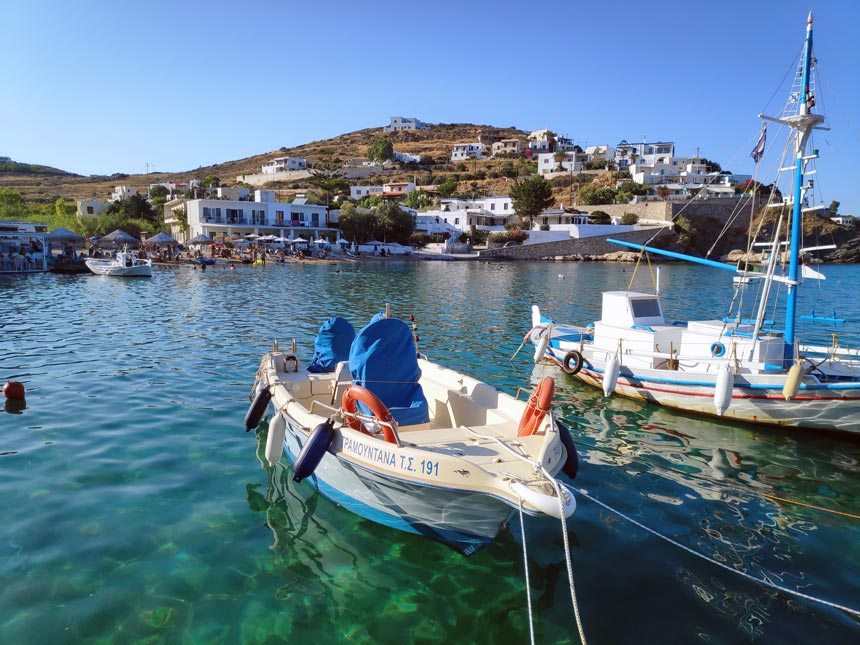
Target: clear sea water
x=134, y=507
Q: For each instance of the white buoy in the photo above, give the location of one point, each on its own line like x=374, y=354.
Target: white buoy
x=723, y=389
x=792, y=381
x=275, y=440
x=543, y=343
x=610, y=375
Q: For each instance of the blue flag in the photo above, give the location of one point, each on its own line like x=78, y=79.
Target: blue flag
x=758, y=151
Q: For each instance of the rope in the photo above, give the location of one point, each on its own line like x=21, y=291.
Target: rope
x=568, y=560
x=526, y=567
x=743, y=574
x=823, y=509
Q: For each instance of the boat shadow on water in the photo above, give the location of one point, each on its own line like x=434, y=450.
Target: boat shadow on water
x=758, y=502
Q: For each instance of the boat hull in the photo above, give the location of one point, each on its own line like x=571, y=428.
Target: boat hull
x=464, y=521
x=756, y=399
x=110, y=268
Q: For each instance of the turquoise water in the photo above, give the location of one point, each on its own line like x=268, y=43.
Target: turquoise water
x=136, y=509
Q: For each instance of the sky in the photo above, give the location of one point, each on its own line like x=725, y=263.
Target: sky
x=99, y=87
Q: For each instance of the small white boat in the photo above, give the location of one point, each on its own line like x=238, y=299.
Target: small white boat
x=737, y=365
x=408, y=443
x=125, y=264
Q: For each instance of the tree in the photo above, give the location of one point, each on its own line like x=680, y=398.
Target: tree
x=158, y=191
x=629, y=218
x=12, y=204
x=354, y=223
x=834, y=208
x=530, y=197
x=592, y=195
x=599, y=217
x=417, y=199
x=381, y=150
x=325, y=177
x=135, y=207
x=212, y=181
x=447, y=188
x=392, y=224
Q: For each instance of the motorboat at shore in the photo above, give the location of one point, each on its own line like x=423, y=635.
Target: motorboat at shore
x=123, y=263
x=739, y=364
x=410, y=444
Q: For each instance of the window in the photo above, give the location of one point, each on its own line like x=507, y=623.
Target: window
x=89, y=210
x=492, y=206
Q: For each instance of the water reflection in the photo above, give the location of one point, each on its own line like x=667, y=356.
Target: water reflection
x=761, y=502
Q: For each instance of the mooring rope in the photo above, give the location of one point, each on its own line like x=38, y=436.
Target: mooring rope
x=526, y=567
x=743, y=574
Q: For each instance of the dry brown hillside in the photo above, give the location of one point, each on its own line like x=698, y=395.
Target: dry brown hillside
x=436, y=143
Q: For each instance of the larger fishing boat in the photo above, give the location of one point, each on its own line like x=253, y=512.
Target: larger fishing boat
x=745, y=368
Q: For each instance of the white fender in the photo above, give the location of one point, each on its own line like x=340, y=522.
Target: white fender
x=535, y=316
x=275, y=440
x=542, y=344
x=610, y=375
x=547, y=504
x=792, y=381
x=723, y=389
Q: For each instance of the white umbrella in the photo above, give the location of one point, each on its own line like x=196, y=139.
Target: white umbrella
x=299, y=240
x=200, y=239
x=251, y=236
x=320, y=240
x=280, y=240
x=267, y=238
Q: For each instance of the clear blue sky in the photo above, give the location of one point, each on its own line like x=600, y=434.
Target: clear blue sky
x=103, y=87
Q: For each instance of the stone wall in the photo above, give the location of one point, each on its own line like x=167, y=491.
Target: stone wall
x=576, y=249
x=665, y=211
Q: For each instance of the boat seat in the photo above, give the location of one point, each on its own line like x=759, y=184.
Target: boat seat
x=465, y=410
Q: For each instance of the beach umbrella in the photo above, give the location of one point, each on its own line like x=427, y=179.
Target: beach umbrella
x=63, y=235
x=280, y=240
x=160, y=238
x=320, y=240
x=200, y=239
x=299, y=240
x=252, y=236
x=118, y=238
x=267, y=238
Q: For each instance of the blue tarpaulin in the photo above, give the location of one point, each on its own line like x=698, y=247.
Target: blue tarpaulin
x=331, y=345
x=383, y=359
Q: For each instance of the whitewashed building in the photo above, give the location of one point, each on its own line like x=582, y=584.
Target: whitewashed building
x=506, y=147
x=90, y=207
x=627, y=154
x=284, y=164
x=223, y=219
x=464, y=151
x=404, y=157
x=400, y=123
x=360, y=192
x=122, y=192
x=572, y=162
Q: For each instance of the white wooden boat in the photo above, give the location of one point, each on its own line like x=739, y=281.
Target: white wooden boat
x=125, y=264
x=410, y=444
x=745, y=368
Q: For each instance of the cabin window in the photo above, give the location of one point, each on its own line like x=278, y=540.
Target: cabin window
x=642, y=308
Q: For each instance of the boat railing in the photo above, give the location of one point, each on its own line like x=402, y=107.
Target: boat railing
x=367, y=418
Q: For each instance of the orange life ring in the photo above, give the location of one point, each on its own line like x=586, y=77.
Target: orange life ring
x=356, y=393
x=538, y=405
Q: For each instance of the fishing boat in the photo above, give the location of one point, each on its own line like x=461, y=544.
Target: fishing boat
x=22, y=247
x=410, y=444
x=124, y=263
x=746, y=368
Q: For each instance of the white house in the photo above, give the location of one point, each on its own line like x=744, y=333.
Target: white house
x=237, y=193
x=399, y=123
x=645, y=153
x=463, y=151
x=226, y=219
x=397, y=188
x=90, y=207
x=360, y=192
x=284, y=164
x=600, y=153
x=489, y=213
x=122, y=192
x=572, y=162
x=404, y=157
x=433, y=224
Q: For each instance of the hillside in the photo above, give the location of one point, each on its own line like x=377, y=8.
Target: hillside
x=436, y=143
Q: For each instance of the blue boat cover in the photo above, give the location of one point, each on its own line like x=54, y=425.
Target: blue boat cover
x=383, y=359
x=331, y=345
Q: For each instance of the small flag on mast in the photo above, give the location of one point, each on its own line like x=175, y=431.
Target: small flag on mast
x=758, y=151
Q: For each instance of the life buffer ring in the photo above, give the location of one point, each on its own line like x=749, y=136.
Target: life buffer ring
x=538, y=405
x=349, y=404
x=718, y=350
x=574, y=357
